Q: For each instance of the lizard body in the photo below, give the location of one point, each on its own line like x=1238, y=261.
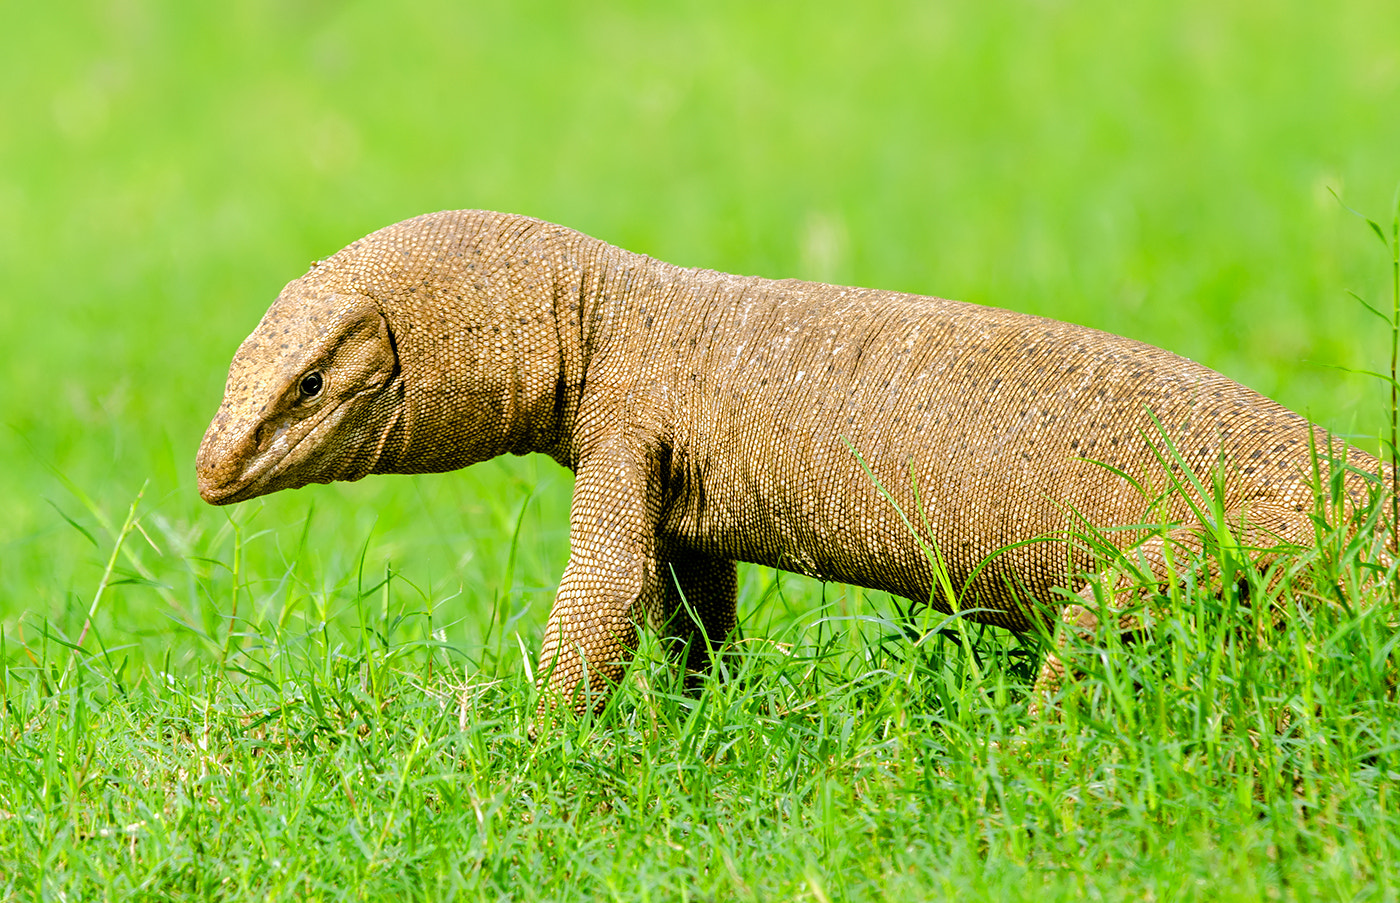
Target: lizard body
x=712, y=418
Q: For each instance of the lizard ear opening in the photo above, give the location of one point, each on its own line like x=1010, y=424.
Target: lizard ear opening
x=391, y=347
x=388, y=334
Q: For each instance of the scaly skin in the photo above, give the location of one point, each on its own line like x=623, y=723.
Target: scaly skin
x=712, y=418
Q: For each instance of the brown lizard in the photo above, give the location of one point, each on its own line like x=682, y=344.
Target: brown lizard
x=843, y=433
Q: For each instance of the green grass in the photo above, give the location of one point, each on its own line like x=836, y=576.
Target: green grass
x=324, y=694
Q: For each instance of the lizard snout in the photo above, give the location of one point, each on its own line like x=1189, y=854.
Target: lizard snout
x=217, y=467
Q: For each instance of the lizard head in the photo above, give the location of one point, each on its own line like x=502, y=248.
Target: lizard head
x=426, y=346
x=313, y=395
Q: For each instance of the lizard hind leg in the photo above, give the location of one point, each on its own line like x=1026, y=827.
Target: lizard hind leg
x=1116, y=593
x=1120, y=591
x=1080, y=621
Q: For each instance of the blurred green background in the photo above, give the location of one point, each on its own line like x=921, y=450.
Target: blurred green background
x=1157, y=170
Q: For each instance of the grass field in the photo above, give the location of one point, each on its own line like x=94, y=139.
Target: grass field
x=324, y=694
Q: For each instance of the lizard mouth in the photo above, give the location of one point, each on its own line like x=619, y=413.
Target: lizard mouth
x=291, y=460
x=246, y=487
x=260, y=476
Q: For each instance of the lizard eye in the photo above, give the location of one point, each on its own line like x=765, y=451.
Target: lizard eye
x=311, y=385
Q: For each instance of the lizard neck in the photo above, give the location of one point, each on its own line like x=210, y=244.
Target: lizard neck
x=511, y=331
x=470, y=302
x=600, y=295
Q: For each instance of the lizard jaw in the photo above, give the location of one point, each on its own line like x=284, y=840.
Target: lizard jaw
x=245, y=487
x=221, y=482
x=290, y=460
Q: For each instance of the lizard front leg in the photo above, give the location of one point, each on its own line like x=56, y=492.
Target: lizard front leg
x=610, y=583
x=698, y=606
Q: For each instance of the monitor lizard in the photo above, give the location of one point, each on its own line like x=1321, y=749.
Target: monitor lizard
x=856, y=435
